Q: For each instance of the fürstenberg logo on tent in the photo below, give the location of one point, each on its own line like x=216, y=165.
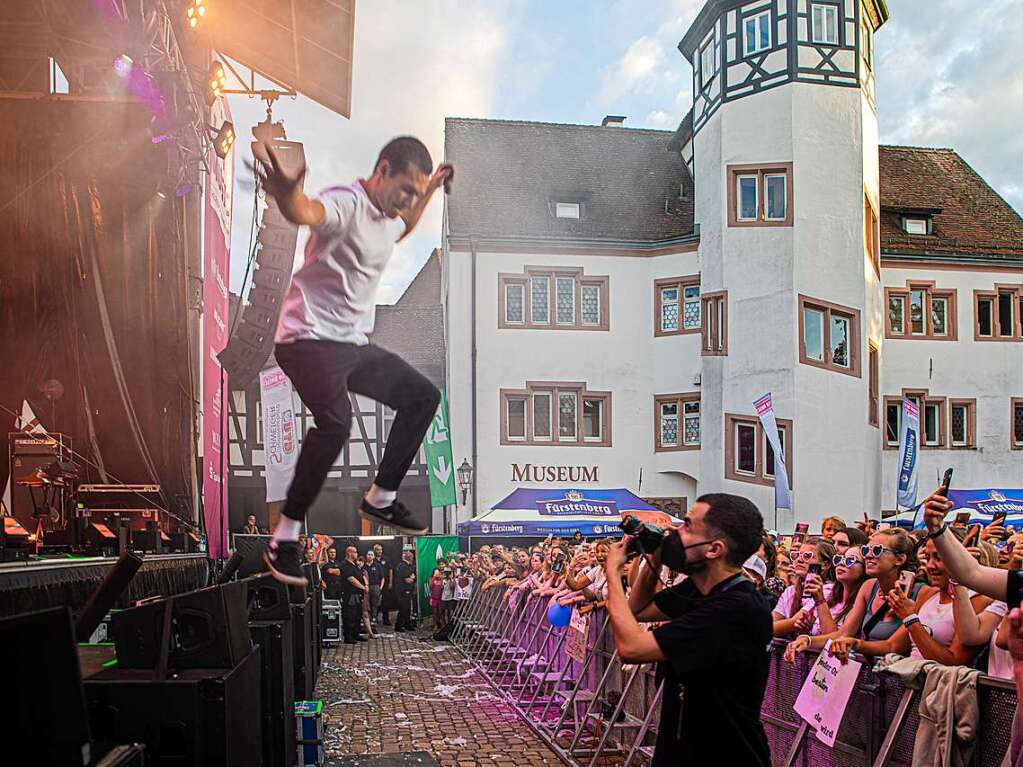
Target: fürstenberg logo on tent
x=575, y=503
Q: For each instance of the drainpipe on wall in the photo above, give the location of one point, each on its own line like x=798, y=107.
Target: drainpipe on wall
x=475, y=455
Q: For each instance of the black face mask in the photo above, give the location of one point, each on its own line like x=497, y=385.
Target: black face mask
x=675, y=557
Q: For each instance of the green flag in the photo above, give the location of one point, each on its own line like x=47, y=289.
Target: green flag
x=430, y=549
x=438, y=458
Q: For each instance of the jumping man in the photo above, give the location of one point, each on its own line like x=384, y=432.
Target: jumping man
x=322, y=339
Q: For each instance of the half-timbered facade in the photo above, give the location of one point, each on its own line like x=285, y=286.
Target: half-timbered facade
x=412, y=328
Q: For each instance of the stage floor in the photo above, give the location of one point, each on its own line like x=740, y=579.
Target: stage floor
x=39, y=584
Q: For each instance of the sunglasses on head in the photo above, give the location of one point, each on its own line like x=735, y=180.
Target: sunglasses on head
x=850, y=561
x=875, y=551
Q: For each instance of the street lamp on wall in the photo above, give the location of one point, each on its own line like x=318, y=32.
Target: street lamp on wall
x=465, y=478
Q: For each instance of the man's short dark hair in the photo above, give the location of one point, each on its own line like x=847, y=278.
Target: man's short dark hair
x=738, y=521
x=404, y=151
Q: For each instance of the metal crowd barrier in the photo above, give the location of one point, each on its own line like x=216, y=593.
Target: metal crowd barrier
x=599, y=710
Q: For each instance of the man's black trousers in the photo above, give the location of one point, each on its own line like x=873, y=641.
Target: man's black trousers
x=404, y=619
x=323, y=373
x=351, y=617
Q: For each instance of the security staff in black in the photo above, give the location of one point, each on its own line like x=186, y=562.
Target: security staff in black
x=331, y=576
x=405, y=590
x=353, y=587
x=713, y=649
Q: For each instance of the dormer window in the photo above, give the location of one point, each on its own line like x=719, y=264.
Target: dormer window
x=566, y=210
x=916, y=225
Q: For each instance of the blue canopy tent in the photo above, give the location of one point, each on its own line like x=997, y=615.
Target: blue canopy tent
x=531, y=513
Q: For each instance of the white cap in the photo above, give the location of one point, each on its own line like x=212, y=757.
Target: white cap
x=756, y=564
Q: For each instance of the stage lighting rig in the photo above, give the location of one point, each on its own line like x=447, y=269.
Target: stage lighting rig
x=196, y=10
x=224, y=139
x=215, y=82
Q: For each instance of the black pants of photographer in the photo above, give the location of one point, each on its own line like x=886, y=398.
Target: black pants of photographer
x=351, y=618
x=404, y=619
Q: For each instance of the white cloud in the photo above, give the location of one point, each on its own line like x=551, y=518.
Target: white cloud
x=414, y=64
x=636, y=69
x=660, y=119
x=953, y=82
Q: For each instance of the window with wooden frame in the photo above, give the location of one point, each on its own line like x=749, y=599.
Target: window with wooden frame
x=921, y=311
x=871, y=235
x=998, y=314
x=829, y=336
x=962, y=424
x=945, y=422
x=552, y=299
x=760, y=195
x=873, y=384
x=708, y=60
x=749, y=456
x=677, y=305
x=714, y=329
x=1016, y=423
x=555, y=413
x=677, y=422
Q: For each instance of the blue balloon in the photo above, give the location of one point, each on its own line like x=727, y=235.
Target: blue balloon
x=559, y=615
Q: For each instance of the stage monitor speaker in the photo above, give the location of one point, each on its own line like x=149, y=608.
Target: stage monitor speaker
x=41, y=693
x=196, y=717
x=100, y=537
x=274, y=639
x=209, y=629
x=184, y=543
x=268, y=599
x=146, y=540
x=251, y=547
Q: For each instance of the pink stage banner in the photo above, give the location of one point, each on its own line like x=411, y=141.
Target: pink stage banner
x=216, y=271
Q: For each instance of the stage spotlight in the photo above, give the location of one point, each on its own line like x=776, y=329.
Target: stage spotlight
x=195, y=12
x=224, y=140
x=215, y=82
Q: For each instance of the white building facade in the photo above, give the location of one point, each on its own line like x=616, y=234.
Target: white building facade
x=617, y=299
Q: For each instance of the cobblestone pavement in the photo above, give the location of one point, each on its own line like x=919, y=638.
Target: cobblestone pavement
x=403, y=693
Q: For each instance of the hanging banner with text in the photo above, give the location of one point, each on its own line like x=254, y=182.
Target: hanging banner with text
x=782, y=493
x=909, y=446
x=280, y=447
x=825, y=694
x=215, y=302
x=438, y=457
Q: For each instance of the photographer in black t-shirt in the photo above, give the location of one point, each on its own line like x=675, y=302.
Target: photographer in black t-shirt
x=714, y=648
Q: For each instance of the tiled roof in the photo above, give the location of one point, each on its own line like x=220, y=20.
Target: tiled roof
x=973, y=219
x=510, y=173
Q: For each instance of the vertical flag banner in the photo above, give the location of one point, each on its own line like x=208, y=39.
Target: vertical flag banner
x=215, y=330
x=430, y=549
x=280, y=446
x=438, y=457
x=909, y=446
x=782, y=493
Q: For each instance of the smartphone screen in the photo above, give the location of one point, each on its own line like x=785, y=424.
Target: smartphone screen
x=946, y=483
x=802, y=527
x=962, y=518
x=906, y=581
x=999, y=519
x=814, y=569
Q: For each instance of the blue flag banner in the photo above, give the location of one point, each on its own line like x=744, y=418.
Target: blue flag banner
x=909, y=446
x=982, y=504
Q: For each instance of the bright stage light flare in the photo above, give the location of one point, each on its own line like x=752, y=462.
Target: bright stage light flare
x=194, y=12
x=224, y=140
x=215, y=82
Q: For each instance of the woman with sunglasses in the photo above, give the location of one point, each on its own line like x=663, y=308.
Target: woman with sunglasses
x=870, y=627
x=930, y=621
x=804, y=606
x=849, y=578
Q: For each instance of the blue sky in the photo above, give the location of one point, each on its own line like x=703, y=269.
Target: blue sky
x=947, y=73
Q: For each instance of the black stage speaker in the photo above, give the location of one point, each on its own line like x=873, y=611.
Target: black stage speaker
x=274, y=639
x=305, y=656
x=197, y=717
x=99, y=537
x=41, y=693
x=146, y=540
x=251, y=547
x=209, y=629
x=268, y=599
